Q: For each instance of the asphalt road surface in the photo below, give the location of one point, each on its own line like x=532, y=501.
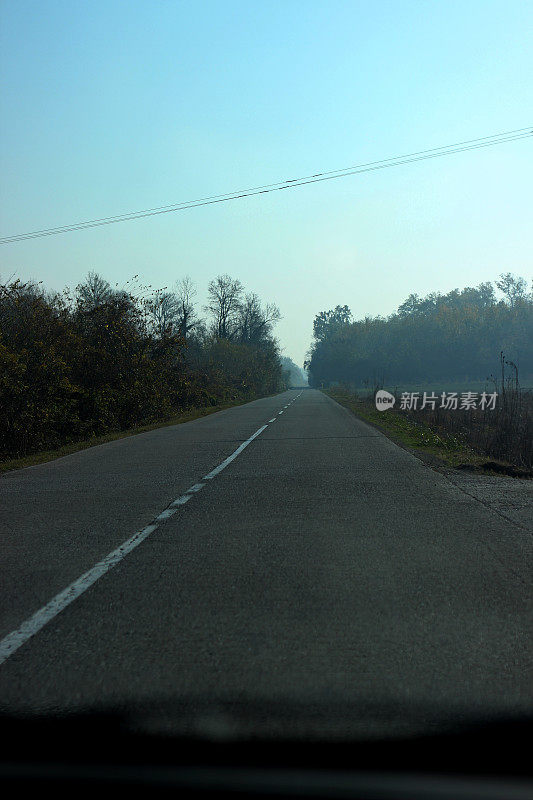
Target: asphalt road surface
x=318, y=575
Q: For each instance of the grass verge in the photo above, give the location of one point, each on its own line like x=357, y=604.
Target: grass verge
x=73, y=447
x=435, y=449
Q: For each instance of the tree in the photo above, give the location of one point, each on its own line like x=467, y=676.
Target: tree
x=438, y=337
x=93, y=292
x=409, y=306
x=224, y=304
x=513, y=287
x=109, y=359
x=164, y=311
x=325, y=322
x=294, y=375
x=187, y=318
x=255, y=322
x=481, y=297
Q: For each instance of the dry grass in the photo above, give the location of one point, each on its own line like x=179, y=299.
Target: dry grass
x=500, y=443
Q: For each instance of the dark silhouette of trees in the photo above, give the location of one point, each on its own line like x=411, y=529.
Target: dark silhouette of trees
x=327, y=322
x=440, y=337
x=513, y=287
x=164, y=311
x=224, y=305
x=187, y=317
x=94, y=291
x=108, y=359
x=255, y=322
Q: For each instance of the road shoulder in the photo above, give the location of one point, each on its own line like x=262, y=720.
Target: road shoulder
x=510, y=497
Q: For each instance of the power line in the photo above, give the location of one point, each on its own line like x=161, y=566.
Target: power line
x=421, y=155
x=172, y=206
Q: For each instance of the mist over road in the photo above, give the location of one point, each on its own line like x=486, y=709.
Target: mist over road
x=320, y=565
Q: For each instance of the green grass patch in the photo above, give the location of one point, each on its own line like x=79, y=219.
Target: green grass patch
x=73, y=447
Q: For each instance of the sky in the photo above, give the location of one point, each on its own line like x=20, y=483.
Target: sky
x=110, y=107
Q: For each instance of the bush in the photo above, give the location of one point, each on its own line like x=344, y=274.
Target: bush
x=74, y=368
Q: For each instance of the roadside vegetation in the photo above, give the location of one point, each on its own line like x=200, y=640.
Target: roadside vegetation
x=292, y=374
x=86, y=365
x=438, y=344
x=439, y=339
x=498, y=439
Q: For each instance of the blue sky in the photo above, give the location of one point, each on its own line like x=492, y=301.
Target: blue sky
x=109, y=107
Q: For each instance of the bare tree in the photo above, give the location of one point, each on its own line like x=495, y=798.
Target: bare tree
x=187, y=317
x=94, y=292
x=224, y=305
x=174, y=312
x=256, y=322
x=164, y=313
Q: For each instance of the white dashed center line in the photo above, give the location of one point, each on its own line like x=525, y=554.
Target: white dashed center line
x=11, y=643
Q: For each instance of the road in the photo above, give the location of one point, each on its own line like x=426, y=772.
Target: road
x=322, y=573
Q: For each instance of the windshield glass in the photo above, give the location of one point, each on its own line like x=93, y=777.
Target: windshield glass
x=266, y=365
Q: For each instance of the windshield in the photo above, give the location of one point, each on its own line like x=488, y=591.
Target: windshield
x=266, y=365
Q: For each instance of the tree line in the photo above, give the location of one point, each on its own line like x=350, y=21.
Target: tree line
x=293, y=375
x=82, y=363
x=455, y=336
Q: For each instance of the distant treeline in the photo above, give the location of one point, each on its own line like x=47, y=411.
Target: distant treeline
x=292, y=374
x=101, y=359
x=454, y=336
